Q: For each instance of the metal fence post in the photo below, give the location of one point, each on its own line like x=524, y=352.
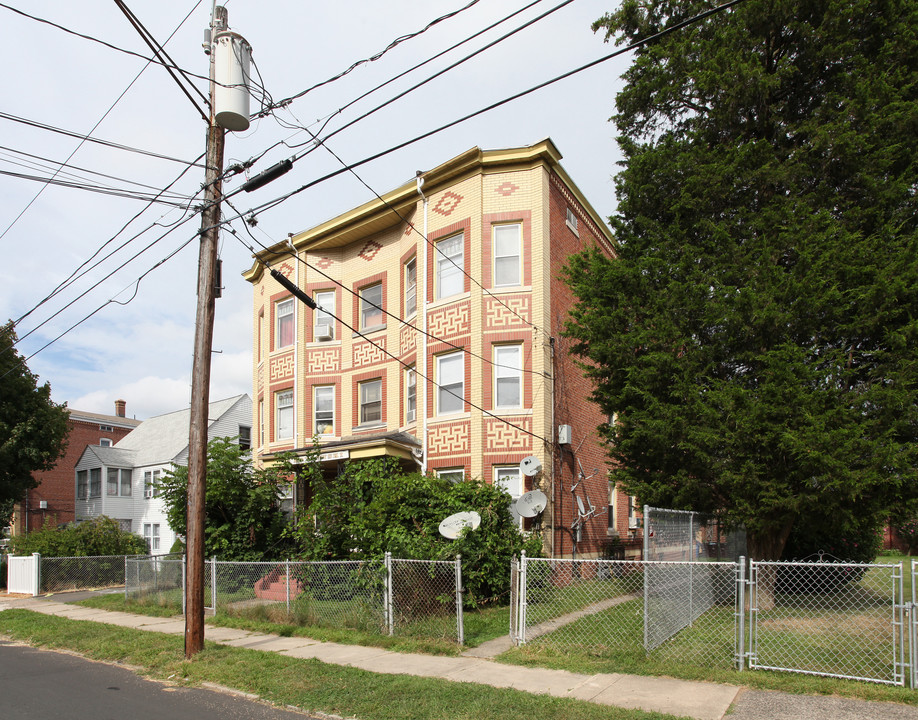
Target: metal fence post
x=287, y=568
x=753, y=599
x=213, y=583
x=741, y=613
x=460, y=627
x=521, y=615
x=389, y=599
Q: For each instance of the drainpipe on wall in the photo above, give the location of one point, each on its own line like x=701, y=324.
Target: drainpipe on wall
x=423, y=322
x=551, y=342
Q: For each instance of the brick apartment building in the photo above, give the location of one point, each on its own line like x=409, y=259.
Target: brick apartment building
x=437, y=339
x=53, y=501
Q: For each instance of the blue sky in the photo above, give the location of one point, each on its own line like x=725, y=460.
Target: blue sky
x=139, y=345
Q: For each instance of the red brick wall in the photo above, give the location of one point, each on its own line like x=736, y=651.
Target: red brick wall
x=572, y=390
x=58, y=486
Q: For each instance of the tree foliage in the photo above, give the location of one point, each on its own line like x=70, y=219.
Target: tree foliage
x=97, y=536
x=756, y=334
x=372, y=508
x=33, y=428
x=243, y=519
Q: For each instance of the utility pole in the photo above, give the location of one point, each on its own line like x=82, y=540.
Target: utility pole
x=200, y=374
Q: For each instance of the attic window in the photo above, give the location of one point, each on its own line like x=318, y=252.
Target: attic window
x=106, y=428
x=571, y=221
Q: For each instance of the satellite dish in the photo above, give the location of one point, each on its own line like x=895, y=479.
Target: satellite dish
x=531, y=504
x=453, y=526
x=530, y=466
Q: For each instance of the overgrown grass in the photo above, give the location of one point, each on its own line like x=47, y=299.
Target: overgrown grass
x=306, y=684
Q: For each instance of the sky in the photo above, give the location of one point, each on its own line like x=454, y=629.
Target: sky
x=105, y=285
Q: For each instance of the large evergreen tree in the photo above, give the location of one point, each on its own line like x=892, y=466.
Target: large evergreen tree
x=33, y=428
x=757, y=334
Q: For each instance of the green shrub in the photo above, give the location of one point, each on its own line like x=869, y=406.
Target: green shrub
x=98, y=536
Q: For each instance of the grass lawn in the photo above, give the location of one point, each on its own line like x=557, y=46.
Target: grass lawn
x=306, y=684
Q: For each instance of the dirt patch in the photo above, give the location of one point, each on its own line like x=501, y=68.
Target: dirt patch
x=14, y=596
x=856, y=625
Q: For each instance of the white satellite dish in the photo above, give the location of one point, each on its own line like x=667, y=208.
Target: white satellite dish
x=530, y=466
x=453, y=526
x=531, y=504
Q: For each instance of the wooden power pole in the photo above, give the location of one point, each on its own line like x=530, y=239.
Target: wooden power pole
x=200, y=375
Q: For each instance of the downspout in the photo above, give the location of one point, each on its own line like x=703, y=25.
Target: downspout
x=551, y=342
x=296, y=350
x=422, y=272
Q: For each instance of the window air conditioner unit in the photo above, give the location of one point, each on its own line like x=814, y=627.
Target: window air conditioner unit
x=42, y=504
x=323, y=332
x=635, y=523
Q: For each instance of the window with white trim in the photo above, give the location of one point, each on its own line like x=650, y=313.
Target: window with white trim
x=245, y=437
x=508, y=376
x=151, y=535
x=284, y=334
x=95, y=482
x=449, y=261
x=82, y=484
x=370, y=402
x=508, y=270
x=371, y=304
x=323, y=404
x=510, y=479
x=105, y=442
x=571, y=219
x=450, y=370
x=261, y=423
x=283, y=405
x=411, y=395
x=151, y=483
x=411, y=287
x=453, y=475
x=325, y=311
x=119, y=482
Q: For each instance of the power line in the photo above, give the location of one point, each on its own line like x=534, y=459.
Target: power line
x=75, y=275
x=133, y=195
x=335, y=173
x=107, y=44
x=370, y=59
x=87, y=138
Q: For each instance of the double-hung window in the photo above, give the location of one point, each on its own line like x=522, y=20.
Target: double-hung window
x=508, y=376
x=151, y=483
x=510, y=479
x=119, y=483
x=411, y=395
x=82, y=484
x=450, y=256
x=371, y=304
x=95, y=482
x=450, y=383
x=411, y=287
x=283, y=402
x=151, y=535
x=453, y=475
x=507, y=255
x=285, y=326
x=324, y=409
x=324, y=314
x=370, y=402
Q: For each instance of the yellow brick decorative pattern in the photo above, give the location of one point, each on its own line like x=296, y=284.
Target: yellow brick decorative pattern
x=281, y=367
x=449, y=321
x=508, y=312
x=323, y=362
x=368, y=353
x=408, y=339
x=501, y=437
x=261, y=376
x=452, y=439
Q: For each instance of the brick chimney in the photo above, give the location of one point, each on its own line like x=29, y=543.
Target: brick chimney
x=120, y=407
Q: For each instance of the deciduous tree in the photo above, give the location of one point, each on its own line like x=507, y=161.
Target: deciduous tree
x=33, y=428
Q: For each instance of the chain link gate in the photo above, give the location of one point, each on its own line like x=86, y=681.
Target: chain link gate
x=844, y=620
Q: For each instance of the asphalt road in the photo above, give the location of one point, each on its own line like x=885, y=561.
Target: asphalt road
x=772, y=705
x=45, y=685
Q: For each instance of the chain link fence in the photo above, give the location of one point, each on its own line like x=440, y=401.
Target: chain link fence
x=60, y=574
x=603, y=607
x=835, y=619
x=425, y=598
x=683, y=535
x=156, y=579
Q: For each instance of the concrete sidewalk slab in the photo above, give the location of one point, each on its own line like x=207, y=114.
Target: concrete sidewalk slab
x=705, y=701
x=336, y=654
x=270, y=643
x=393, y=663
x=223, y=634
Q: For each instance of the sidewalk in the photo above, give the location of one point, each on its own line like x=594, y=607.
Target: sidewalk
x=701, y=700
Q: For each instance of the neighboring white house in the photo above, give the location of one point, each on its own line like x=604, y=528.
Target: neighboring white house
x=121, y=481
